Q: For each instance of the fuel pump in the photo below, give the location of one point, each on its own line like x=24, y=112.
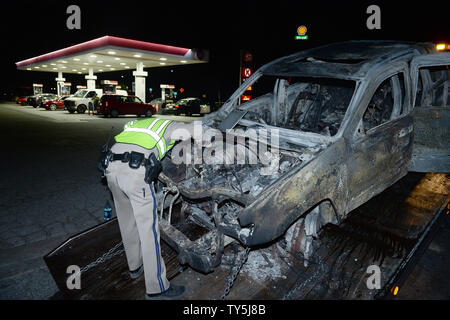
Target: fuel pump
x=167, y=93
x=64, y=88
x=109, y=86
x=37, y=88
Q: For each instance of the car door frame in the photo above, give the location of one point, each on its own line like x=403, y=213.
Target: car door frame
x=430, y=122
x=385, y=146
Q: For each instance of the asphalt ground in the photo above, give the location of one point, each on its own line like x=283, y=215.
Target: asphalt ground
x=50, y=189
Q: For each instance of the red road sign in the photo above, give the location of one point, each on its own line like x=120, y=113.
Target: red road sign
x=247, y=72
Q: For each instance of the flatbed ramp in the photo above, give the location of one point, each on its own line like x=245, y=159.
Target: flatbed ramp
x=391, y=231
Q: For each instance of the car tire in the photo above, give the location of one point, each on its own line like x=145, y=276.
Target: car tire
x=148, y=113
x=81, y=108
x=35, y=106
x=114, y=113
x=53, y=107
x=71, y=111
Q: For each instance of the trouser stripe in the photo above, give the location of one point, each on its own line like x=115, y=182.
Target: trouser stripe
x=158, y=262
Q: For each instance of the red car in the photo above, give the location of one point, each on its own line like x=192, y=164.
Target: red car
x=22, y=101
x=115, y=105
x=55, y=104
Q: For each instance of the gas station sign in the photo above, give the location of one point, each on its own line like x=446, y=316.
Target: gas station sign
x=247, y=72
x=111, y=82
x=248, y=57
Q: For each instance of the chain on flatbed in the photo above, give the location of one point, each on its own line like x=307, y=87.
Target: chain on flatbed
x=105, y=257
x=232, y=278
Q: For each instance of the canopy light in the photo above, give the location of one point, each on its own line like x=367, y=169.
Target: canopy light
x=441, y=46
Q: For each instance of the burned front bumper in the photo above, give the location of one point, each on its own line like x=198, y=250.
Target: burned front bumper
x=203, y=252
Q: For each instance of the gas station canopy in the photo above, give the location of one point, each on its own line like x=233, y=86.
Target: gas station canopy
x=110, y=53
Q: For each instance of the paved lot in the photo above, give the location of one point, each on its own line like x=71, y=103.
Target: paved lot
x=50, y=190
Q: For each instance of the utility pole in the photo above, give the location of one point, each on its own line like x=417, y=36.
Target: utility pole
x=240, y=72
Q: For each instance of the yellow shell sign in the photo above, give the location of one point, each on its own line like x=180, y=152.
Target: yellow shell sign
x=301, y=33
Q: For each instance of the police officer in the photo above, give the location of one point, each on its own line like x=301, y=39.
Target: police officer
x=131, y=167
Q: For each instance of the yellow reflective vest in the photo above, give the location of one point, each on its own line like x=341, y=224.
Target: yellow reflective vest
x=147, y=133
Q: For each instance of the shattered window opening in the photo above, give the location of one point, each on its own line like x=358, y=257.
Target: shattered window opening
x=433, y=86
x=380, y=107
x=306, y=104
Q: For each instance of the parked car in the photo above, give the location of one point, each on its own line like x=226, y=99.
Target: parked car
x=42, y=100
x=23, y=101
x=81, y=100
x=158, y=104
x=36, y=100
x=187, y=106
x=115, y=105
x=346, y=121
x=55, y=104
x=32, y=100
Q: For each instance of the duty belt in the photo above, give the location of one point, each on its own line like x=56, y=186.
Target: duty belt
x=137, y=159
x=133, y=158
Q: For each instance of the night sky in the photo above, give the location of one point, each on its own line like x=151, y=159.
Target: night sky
x=31, y=28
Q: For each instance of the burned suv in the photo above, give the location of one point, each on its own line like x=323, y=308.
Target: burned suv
x=343, y=122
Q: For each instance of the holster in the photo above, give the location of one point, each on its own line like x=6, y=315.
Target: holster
x=103, y=160
x=135, y=159
x=152, y=168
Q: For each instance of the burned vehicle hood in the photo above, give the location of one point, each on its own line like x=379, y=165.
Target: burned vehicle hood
x=242, y=183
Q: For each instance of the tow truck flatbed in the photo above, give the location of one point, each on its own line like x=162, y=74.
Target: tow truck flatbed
x=390, y=231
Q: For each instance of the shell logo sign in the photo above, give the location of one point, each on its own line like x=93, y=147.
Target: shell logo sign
x=301, y=33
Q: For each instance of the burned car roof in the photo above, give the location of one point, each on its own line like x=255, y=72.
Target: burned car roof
x=350, y=59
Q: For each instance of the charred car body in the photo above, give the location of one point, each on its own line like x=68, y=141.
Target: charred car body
x=351, y=119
